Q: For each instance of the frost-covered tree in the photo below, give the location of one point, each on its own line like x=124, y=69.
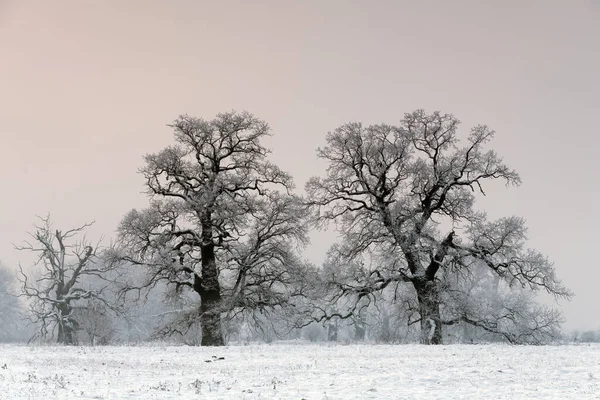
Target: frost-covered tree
x=403, y=199
x=64, y=277
x=10, y=307
x=95, y=320
x=222, y=224
x=483, y=307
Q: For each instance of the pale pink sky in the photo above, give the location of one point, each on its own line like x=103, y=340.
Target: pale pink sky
x=87, y=87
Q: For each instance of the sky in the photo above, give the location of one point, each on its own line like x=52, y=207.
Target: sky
x=87, y=88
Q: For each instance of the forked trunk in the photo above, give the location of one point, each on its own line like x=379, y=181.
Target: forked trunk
x=429, y=310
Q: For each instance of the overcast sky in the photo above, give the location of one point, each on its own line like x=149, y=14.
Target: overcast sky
x=87, y=88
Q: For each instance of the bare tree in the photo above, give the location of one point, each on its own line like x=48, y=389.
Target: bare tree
x=95, y=320
x=488, y=308
x=61, y=279
x=393, y=189
x=10, y=307
x=217, y=225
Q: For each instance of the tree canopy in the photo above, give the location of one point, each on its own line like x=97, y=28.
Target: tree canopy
x=405, y=197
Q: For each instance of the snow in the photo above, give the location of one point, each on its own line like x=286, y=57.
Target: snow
x=301, y=371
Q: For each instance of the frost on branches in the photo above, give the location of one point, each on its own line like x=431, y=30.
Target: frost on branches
x=222, y=224
x=393, y=191
x=67, y=276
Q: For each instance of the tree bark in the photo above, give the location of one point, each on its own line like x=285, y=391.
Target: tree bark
x=210, y=320
x=209, y=289
x=429, y=310
x=66, y=329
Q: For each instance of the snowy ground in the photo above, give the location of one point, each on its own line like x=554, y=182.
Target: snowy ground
x=300, y=371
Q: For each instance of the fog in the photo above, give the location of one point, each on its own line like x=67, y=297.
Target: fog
x=87, y=90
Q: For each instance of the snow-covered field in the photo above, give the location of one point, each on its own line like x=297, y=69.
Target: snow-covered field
x=300, y=371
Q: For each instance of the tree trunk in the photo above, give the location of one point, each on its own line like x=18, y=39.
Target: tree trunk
x=386, y=333
x=66, y=329
x=332, y=332
x=210, y=321
x=210, y=302
x=360, y=328
x=209, y=289
x=429, y=310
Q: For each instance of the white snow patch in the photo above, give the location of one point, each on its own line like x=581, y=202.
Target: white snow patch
x=301, y=371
